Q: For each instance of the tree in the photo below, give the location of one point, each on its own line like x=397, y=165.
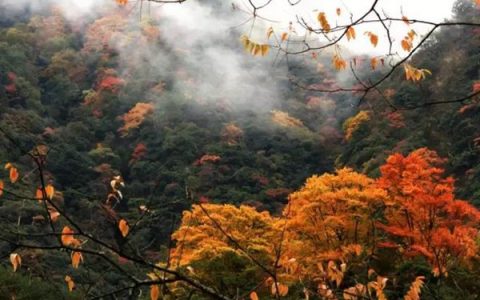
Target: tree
x=332, y=218
x=423, y=213
x=229, y=247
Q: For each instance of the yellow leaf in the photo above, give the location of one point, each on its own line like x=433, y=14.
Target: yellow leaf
x=67, y=236
x=264, y=49
x=13, y=174
x=16, y=261
x=1, y=187
x=343, y=267
x=414, y=74
x=245, y=42
x=76, y=259
x=50, y=190
x=323, y=22
x=269, y=32
x=338, y=62
x=373, y=63
x=350, y=33
x=406, y=45
x=411, y=34
x=123, y=226
x=284, y=36
x=152, y=276
x=154, y=292
x=70, y=283
x=256, y=49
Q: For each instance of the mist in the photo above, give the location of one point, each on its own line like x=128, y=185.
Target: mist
x=198, y=53
x=203, y=39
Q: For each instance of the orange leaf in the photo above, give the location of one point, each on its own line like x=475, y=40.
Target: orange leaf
x=13, y=174
x=70, y=283
x=16, y=261
x=67, y=236
x=39, y=194
x=282, y=289
x=1, y=187
x=54, y=215
x=123, y=226
x=405, y=20
x=8, y=166
x=374, y=40
x=323, y=21
x=50, y=190
x=154, y=292
x=253, y=296
x=350, y=33
x=406, y=45
x=373, y=63
x=76, y=259
x=284, y=36
x=264, y=49
x=338, y=62
x=122, y=2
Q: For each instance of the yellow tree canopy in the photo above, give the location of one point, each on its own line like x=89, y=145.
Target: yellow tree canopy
x=330, y=218
x=200, y=237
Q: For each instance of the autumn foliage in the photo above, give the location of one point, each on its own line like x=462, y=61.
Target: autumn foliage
x=338, y=220
x=352, y=124
x=200, y=237
x=424, y=218
x=135, y=117
x=330, y=218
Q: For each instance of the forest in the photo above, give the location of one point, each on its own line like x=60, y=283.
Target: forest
x=239, y=149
